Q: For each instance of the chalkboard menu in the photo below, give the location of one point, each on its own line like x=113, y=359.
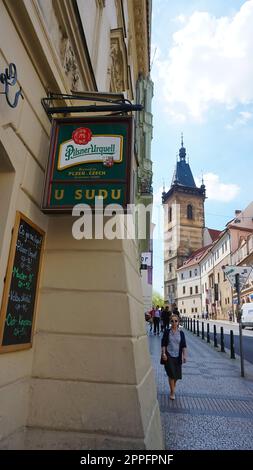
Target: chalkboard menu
x=21, y=286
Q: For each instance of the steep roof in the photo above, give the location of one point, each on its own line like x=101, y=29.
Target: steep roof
x=183, y=175
x=214, y=234
x=195, y=257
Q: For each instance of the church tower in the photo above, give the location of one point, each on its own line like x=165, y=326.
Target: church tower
x=184, y=222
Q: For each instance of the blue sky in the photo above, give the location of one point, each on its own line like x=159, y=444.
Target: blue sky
x=202, y=70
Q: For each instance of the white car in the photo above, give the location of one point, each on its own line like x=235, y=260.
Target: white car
x=247, y=315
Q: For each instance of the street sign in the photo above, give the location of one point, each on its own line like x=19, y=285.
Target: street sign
x=146, y=258
x=231, y=272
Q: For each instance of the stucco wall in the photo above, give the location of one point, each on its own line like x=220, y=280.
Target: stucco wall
x=87, y=381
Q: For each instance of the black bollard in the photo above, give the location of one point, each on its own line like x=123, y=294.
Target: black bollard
x=191, y=324
x=208, y=334
x=232, y=348
x=197, y=327
x=215, y=337
x=222, y=339
x=203, y=331
x=194, y=327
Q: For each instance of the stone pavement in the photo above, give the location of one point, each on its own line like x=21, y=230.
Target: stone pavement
x=213, y=408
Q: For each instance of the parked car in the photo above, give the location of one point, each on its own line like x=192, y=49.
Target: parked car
x=247, y=315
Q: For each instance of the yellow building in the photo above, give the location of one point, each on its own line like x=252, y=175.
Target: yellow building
x=86, y=380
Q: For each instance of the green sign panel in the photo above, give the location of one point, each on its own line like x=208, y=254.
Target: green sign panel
x=89, y=158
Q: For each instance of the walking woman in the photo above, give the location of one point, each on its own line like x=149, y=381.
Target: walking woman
x=174, y=349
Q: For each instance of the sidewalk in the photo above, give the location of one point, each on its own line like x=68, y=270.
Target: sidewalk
x=214, y=405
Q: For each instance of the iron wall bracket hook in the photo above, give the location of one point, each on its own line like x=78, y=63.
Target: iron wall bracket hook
x=9, y=78
x=110, y=103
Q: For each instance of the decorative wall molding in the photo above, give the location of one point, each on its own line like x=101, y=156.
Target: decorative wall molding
x=70, y=66
x=100, y=3
x=119, y=65
x=141, y=25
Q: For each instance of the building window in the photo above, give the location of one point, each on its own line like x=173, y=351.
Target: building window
x=196, y=310
x=170, y=214
x=218, y=277
x=190, y=290
x=170, y=267
x=184, y=310
x=183, y=289
x=196, y=290
x=182, y=275
x=189, y=212
x=195, y=272
x=190, y=273
x=192, y=310
x=180, y=310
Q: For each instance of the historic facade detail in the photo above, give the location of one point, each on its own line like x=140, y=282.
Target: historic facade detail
x=142, y=26
x=70, y=66
x=61, y=41
x=100, y=3
x=119, y=66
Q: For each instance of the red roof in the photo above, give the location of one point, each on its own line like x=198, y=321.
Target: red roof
x=195, y=257
x=214, y=234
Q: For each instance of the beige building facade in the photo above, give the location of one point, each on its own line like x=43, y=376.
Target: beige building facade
x=217, y=298
x=87, y=380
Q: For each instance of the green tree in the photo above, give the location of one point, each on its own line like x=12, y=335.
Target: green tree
x=157, y=299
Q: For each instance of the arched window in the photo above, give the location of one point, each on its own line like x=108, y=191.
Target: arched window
x=170, y=214
x=189, y=212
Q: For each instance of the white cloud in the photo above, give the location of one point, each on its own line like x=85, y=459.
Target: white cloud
x=241, y=120
x=210, y=62
x=180, y=19
x=218, y=191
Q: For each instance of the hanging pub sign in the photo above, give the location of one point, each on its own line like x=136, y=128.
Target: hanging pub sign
x=89, y=158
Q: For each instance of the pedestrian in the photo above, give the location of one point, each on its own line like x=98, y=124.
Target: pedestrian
x=157, y=320
x=161, y=319
x=174, y=349
x=175, y=310
x=151, y=321
x=166, y=316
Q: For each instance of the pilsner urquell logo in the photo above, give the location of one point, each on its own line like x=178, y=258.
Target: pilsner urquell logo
x=85, y=147
x=82, y=136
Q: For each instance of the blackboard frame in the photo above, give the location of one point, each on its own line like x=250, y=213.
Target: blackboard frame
x=3, y=311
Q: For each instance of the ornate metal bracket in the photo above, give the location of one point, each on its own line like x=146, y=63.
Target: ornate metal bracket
x=115, y=103
x=9, y=78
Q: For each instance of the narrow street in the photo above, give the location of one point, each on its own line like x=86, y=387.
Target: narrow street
x=213, y=408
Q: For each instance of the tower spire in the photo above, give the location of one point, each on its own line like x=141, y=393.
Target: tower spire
x=182, y=151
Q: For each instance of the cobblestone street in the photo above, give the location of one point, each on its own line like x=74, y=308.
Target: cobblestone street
x=213, y=408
